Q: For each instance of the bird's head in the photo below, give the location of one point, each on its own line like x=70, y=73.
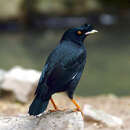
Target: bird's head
x=78, y=34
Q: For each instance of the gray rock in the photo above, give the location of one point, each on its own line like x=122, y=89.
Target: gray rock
x=21, y=82
x=60, y=120
x=10, y=9
x=93, y=114
x=2, y=73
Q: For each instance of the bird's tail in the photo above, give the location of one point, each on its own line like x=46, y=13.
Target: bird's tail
x=38, y=106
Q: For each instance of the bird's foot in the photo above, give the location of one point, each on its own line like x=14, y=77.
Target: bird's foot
x=77, y=109
x=57, y=110
x=54, y=110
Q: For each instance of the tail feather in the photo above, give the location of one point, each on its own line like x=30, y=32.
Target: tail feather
x=38, y=106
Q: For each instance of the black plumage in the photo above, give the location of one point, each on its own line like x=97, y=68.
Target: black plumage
x=63, y=68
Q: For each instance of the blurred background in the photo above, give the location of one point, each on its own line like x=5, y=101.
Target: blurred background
x=30, y=29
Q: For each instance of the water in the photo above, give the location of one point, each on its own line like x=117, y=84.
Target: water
x=107, y=69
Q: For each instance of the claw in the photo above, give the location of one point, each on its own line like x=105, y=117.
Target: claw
x=75, y=110
x=55, y=110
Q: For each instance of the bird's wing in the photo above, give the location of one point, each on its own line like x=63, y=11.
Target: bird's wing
x=65, y=70
x=75, y=62
x=73, y=83
x=60, y=68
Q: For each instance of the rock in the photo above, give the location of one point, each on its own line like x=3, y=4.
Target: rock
x=92, y=114
x=21, y=82
x=57, y=7
x=10, y=9
x=60, y=120
x=2, y=73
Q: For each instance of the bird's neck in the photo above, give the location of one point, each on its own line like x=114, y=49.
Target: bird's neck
x=73, y=44
x=74, y=41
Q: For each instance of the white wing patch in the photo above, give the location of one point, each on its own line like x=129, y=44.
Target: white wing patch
x=74, y=76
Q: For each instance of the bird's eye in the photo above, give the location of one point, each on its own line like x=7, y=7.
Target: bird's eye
x=79, y=32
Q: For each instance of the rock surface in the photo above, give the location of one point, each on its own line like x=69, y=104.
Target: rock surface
x=60, y=120
x=2, y=73
x=20, y=82
x=10, y=9
x=93, y=114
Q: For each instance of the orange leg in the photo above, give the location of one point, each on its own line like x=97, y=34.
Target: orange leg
x=77, y=106
x=54, y=105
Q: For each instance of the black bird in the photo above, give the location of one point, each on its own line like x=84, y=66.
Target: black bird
x=63, y=69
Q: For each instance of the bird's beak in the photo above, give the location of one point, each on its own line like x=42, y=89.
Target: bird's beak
x=91, y=32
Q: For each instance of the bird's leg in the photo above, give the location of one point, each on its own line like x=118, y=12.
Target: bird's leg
x=54, y=105
x=77, y=106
